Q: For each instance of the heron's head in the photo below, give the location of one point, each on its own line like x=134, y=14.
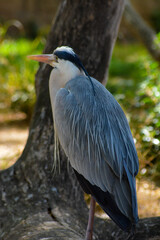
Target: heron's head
x=63, y=59
x=65, y=62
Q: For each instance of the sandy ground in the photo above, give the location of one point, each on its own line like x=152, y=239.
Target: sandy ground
x=13, y=136
x=12, y=141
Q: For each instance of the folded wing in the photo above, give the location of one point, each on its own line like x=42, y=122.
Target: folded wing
x=96, y=137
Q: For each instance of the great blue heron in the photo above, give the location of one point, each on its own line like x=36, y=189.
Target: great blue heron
x=95, y=135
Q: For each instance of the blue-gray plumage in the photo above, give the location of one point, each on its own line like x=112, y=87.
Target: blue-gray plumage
x=95, y=135
x=98, y=141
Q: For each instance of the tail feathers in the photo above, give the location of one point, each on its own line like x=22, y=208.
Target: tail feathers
x=121, y=192
x=132, y=184
x=107, y=203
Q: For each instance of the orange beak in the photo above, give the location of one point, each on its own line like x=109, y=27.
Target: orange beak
x=46, y=58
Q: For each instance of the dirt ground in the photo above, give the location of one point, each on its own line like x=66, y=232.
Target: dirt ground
x=13, y=136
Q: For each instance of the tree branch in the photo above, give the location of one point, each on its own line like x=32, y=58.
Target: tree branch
x=146, y=33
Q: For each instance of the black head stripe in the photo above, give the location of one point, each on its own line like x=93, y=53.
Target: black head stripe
x=70, y=56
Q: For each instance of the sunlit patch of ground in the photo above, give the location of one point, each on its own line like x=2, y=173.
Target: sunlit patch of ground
x=13, y=136
x=148, y=199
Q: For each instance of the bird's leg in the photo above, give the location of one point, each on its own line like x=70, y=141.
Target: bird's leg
x=89, y=231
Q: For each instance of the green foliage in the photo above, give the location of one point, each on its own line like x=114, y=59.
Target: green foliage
x=157, y=42
x=17, y=73
x=126, y=72
x=147, y=104
x=135, y=82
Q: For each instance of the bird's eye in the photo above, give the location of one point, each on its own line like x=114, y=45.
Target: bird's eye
x=56, y=58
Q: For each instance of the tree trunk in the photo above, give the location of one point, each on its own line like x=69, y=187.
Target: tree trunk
x=34, y=204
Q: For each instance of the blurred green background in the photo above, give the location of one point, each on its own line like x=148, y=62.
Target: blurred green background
x=134, y=80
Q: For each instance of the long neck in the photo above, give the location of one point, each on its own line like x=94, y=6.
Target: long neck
x=58, y=80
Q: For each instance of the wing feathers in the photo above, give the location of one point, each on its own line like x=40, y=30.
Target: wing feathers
x=96, y=137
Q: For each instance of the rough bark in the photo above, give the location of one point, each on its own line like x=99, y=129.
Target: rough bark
x=144, y=31
x=34, y=204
